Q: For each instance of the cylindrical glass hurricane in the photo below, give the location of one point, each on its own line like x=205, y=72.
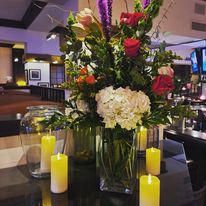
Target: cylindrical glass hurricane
x=84, y=144
x=117, y=159
x=38, y=143
x=146, y=138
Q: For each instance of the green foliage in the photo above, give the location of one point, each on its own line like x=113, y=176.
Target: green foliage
x=181, y=111
x=137, y=6
x=107, y=63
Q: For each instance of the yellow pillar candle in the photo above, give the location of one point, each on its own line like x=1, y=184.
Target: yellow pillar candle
x=153, y=157
x=149, y=191
x=142, y=139
x=46, y=194
x=48, y=144
x=59, y=173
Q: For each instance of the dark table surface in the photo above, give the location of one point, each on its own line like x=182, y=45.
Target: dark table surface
x=187, y=133
x=9, y=124
x=195, y=148
x=17, y=188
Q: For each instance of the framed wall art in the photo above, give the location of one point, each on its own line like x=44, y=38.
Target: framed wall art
x=43, y=84
x=34, y=74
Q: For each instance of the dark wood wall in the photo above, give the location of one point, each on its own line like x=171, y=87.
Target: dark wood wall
x=182, y=71
x=18, y=66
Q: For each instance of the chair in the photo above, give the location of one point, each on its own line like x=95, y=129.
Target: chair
x=1, y=90
x=194, y=172
x=199, y=196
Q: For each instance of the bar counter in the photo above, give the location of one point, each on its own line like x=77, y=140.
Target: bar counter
x=195, y=148
x=19, y=189
x=9, y=124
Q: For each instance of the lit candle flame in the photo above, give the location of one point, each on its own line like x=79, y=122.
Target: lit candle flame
x=58, y=156
x=149, y=179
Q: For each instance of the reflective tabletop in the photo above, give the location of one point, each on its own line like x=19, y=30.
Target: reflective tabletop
x=19, y=189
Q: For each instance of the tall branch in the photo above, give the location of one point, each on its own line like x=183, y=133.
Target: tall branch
x=164, y=16
x=126, y=4
x=89, y=4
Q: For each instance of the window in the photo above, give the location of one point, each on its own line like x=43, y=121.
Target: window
x=199, y=9
x=57, y=74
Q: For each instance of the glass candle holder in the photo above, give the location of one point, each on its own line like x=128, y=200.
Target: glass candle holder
x=146, y=138
x=38, y=142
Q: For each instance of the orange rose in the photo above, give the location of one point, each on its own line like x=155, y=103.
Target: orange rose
x=90, y=79
x=84, y=70
x=79, y=80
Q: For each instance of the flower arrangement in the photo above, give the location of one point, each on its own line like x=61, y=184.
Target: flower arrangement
x=115, y=79
x=116, y=82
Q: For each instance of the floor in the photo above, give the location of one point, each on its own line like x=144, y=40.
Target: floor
x=14, y=101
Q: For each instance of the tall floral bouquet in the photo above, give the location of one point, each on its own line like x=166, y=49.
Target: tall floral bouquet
x=117, y=82
x=115, y=79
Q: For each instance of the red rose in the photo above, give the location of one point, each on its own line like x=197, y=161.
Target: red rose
x=90, y=79
x=131, y=47
x=162, y=84
x=131, y=18
x=84, y=70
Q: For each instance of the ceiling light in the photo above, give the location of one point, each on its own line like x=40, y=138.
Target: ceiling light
x=16, y=59
x=202, y=97
x=55, y=62
x=51, y=36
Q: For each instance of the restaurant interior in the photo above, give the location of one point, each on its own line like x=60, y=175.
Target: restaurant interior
x=32, y=81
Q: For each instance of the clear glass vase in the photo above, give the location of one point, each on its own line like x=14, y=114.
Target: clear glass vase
x=38, y=143
x=84, y=137
x=117, y=159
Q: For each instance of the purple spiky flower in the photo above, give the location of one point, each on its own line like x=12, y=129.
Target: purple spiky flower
x=146, y=3
x=109, y=6
x=105, y=13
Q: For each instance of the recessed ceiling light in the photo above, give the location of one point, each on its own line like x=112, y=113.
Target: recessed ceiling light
x=51, y=36
x=16, y=59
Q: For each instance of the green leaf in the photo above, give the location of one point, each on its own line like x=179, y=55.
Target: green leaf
x=91, y=40
x=137, y=6
x=162, y=46
x=77, y=46
x=137, y=78
x=70, y=19
x=63, y=48
x=95, y=30
x=86, y=59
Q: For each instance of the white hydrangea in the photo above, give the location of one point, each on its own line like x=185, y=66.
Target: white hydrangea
x=82, y=106
x=143, y=102
x=122, y=106
x=68, y=111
